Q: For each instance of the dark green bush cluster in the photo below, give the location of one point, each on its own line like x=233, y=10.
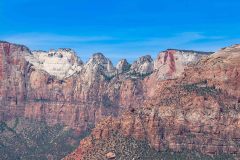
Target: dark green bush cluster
x=41, y=100
x=108, y=78
x=142, y=76
x=202, y=89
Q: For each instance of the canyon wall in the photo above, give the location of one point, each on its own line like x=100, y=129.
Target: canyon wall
x=183, y=99
x=197, y=111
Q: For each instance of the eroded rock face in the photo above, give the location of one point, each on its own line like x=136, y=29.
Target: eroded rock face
x=62, y=63
x=170, y=64
x=123, y=66
x=178, y=117
x=13, y=71
x=144, y=65
x=98, y=64
x=175, y=105
x=221, y=69
x=192, y=112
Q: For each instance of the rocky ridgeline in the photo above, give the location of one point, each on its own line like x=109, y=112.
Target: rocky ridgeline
x=64, y=63
x=196, y=112
x=182, y=99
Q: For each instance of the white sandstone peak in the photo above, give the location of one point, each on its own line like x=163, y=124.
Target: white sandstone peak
x=99, y=60
x=98, y=64
x=143, y=65
x=123, y=66
x=61, y=63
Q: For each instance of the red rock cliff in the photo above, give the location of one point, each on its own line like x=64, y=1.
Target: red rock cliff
x=198, y=111
x=181, y=100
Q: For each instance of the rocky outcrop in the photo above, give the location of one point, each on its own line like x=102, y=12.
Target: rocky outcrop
x=98, y=64
x=144, y=65
x=123, y=66
x=171, y=63
x=62, y=63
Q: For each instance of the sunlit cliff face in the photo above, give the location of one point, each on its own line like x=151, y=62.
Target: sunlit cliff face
x=61, y=63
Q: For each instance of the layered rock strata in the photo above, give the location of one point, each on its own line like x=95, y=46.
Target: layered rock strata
x=180, y=100
x=196, y=111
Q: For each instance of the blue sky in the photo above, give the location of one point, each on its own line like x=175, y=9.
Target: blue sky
x=121, y=28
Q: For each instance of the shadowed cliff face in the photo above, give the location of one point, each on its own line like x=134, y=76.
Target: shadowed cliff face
x=181, y=100
x=13, y=71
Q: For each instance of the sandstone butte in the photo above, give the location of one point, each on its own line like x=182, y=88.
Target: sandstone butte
x=181, y=100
